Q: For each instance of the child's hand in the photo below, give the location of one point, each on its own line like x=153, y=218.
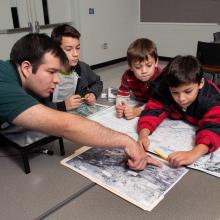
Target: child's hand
x=143, y=139
x=144, y=142
x=120, y=110
x=131, y=112
x=90, y=98
x=73, y=102
x=181, y=158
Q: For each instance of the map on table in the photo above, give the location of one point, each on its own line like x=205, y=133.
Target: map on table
x=209, y=163
x=88, y=110
x=170, y=136
x=107, y=167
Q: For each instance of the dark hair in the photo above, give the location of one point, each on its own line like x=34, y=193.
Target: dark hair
x=182, y=70
x=64, y=30
x=140, y=50
x=32, y=47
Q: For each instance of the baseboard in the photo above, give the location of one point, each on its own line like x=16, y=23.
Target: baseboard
x=122, y=59
x=168, y=59
x=108, y=63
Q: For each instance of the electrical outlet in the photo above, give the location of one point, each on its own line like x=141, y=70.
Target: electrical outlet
x=91, y=11
x=105, y=46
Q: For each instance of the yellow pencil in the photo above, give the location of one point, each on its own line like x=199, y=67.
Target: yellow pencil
x=160, y=154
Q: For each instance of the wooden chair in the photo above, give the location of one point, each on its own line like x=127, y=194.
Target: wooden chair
x=208, y=53
x=25, y=141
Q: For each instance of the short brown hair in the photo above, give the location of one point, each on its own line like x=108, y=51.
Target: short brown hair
x=32, y=47
x=140, y=50
x=64, y=30
x=182, y=70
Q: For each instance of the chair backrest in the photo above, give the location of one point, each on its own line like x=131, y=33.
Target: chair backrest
x=216, y=36
x=208, y=53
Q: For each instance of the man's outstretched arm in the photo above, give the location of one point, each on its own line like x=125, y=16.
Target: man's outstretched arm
x=81, y=130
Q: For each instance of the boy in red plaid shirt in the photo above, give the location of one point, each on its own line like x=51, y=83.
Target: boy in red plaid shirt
x=142, y=60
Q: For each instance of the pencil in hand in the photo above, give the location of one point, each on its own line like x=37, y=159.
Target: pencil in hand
x=83, y=98
x=160, y=154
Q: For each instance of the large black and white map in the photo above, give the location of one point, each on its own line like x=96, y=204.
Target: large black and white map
x=107, y=167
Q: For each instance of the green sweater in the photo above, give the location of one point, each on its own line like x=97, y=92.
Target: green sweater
x=13, y=98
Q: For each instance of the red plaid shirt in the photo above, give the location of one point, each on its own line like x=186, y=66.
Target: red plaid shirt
x=130, y=85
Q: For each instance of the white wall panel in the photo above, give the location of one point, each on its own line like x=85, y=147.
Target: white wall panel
x=5, y=12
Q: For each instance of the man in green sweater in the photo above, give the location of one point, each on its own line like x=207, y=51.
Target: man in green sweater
x=32, y=75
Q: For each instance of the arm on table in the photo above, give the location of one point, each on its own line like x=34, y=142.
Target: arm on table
x=182, y=158
x=76, y=128
x=143, y=139
x=207, y=139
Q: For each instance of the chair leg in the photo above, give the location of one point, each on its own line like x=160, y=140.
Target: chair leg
x=62, y=151
x=26, y=163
